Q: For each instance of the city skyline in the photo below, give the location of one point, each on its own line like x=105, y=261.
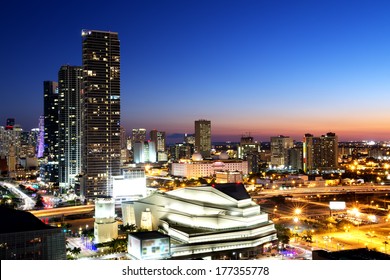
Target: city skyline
x=265, y=67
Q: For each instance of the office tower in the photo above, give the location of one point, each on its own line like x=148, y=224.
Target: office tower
x=320, y=153
x=279, y=150
x=100, y=112
x=50, y=112
x=158, y=137
x=295, y=158
x=138, y=135
x=123, y=138
x=69, y=88
x=203, y=137
x=10, y=123
x=144, y=152
x=247, y=146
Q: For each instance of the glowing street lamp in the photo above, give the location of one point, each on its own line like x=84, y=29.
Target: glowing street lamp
x=297, y=211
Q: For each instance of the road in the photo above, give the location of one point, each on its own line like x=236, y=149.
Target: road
x=322, y=190
x=29, y=203
x=63, y=211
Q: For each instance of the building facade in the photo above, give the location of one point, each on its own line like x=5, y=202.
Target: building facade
x=207, y=168
x=100, y=112
x=203, y=137
x=158, y=137
x=320, y=153
x=279, y=150
x=69, y=87
x=50, y=111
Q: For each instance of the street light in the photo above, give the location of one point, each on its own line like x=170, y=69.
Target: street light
x=298, y=211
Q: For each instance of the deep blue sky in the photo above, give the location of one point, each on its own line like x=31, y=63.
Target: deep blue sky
x=268, y=67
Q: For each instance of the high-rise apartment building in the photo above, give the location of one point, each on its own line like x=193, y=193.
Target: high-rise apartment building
x=247, y=146
x=69, y=88
x=320, y=153
x=279, y=149
x=100, y=112
x=158, y=137
x=50, y=112
x=10, y=123
x=203, y=137
x=138, y=135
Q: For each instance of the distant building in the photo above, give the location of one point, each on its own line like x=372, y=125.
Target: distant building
x=144, y=152
x=247, y=146
x=279, y=150
x=203, y=137
x=138, y=135
x=223, y=177
x=181, y=151
x=295, y=156
x=25, y=237
x=158, y=137
x=320, y=153
x=10, y=124
x=196, y=167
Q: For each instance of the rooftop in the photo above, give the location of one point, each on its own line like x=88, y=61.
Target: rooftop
x=234, y=190
x=148, y=235
x=19, y=221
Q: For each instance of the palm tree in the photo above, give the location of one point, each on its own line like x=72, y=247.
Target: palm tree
x=386, y=243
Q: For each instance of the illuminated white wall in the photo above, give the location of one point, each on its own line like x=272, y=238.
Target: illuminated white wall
x=105, y=226
x=105, y=232
x=129, y=187
x=104, y=208
x=128, y=216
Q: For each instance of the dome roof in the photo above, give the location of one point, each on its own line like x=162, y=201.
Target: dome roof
x=197, y=157
x=223, y=155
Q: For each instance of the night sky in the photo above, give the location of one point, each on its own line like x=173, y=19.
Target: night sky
x=268, y=67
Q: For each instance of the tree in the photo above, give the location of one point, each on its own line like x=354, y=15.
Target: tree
x=39, y=204
x=128, y=227
x=118, y=244
x=283, y=233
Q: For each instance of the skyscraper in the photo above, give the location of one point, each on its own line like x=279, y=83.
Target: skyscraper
x=158, y=137
x=320, y=153
x=50, y=112
x=100, y=112
x=69, y=87
x=203, y=137
x=279, y=149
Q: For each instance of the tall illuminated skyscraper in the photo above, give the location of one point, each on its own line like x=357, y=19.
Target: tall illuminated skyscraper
x=203, y=137
x=100, y=112
x=50, y=112
x=69, y=87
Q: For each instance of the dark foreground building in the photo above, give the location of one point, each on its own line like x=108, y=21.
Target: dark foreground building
x=24, y=237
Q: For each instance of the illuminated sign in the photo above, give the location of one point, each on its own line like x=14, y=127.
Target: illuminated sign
x=337, y=205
